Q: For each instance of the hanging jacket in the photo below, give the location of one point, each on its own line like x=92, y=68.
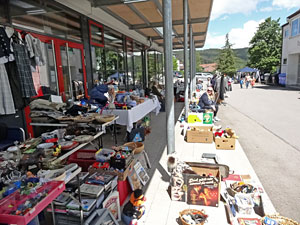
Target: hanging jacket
x=97, y=94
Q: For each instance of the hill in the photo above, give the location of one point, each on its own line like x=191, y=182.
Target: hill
x=210, y=56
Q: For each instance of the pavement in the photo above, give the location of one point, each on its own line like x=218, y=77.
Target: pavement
x=267, y=120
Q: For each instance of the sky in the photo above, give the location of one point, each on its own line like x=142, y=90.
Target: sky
x=240, y=18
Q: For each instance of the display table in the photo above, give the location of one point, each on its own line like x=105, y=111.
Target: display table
x=131, y=116
x=66, y=155
x=65, y=124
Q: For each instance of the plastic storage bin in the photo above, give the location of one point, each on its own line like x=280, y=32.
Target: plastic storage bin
x=12, y=202
x=84, y=158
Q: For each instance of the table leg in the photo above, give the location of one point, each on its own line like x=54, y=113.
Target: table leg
x=79, y=198
x=115, y=133
x=53, y=213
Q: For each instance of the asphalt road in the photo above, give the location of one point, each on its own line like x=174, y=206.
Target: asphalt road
x=267, y=119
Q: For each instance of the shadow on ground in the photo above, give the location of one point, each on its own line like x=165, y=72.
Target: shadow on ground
x=276, y=87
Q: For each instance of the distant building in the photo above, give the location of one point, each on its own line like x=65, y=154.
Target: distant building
x=290, y=59
x=209, y=67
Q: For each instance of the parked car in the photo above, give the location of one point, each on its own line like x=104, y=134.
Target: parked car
x=203, y=76
x=177, y=74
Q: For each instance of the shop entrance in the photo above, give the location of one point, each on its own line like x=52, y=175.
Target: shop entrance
x=63, y=73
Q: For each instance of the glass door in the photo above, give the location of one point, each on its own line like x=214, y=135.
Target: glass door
x=71, y=70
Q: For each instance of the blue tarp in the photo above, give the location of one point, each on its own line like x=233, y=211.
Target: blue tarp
x=247, y=70
x=116, y=75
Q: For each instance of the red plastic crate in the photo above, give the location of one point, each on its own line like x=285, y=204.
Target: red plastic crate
x=84, y=158
x=11, y=203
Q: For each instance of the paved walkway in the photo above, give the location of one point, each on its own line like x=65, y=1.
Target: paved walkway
x=267, y=121
x=160, y=209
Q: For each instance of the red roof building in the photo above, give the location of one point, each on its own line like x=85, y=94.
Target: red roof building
x=209, y=67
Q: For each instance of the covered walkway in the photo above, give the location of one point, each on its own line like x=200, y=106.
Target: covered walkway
x=160, y=209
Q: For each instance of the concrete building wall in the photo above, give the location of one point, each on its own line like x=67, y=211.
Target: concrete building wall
x=290, y=63
x=292, y=69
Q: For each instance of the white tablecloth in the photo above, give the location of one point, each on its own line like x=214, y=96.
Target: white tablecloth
x=128, y=117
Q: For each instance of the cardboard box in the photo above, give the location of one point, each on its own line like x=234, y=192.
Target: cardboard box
x=225, y=143
x=121, y=175
x=203, y=188
x=195, y=118
x=201, y=118
x=200, y=134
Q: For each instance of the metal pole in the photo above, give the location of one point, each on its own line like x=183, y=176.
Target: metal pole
x=194, y=65
x=146, y=68
x=186, y=66
x=191, y=61
x=169, y=101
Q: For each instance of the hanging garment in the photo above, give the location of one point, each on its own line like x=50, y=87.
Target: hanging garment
x=35, y=49
x=6, y=99
x=6, y=53
x=36, y=79
x=15, y=84
x=24, y=71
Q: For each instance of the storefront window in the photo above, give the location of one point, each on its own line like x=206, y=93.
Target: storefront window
x=72, y=72
x=3, y=11
x=129, y=49
x=48, y=72
x=45, y=17
x=138, y=70
x=159, y=57
x=98, y=63
x=108, y=61
x=96, y=34
x=151, y=65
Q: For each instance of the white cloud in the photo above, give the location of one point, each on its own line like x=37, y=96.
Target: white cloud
x=221, y=7
x=286, y=3
x=239, y=37
x=224, y=17
x=266, y=9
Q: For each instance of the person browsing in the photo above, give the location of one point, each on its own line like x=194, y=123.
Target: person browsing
x=207, y=101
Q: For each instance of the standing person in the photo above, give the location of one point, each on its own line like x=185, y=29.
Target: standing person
x=208, y=82
x=199, y=85
x=241, y=82
x=248, y=80
x=253, y=82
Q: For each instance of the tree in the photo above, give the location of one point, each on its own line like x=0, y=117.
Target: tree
x=265, y=46
x=175, y=64
x=226, y=59
x=198, y=62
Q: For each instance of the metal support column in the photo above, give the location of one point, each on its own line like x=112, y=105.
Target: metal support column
x=168, y=47
x=194, y=66
x=146, y=69
x=191, y=61
x=186, y=65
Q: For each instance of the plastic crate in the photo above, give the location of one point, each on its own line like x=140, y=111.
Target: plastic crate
x=84, y=158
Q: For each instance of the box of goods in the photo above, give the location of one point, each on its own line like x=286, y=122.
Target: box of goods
x=208, y=118
x=200, y=134
x=84, y=158
x=122, y=175
x=203, y=185
x=244, y=203
x=195, y=118
x=225, y=143
x=201, y=118
x=120, y=162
